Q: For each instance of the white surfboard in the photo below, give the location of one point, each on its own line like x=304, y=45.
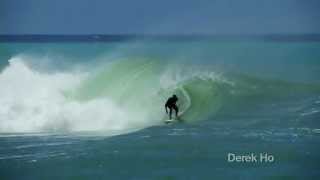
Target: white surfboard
x=169, y=121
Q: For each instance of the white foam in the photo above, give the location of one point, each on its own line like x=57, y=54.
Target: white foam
x=316, y=130
x=175, y=75
x=313, y=111
x=33, y=101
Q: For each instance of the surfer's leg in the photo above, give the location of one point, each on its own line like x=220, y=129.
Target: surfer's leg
x=176, y=109
x=170, y=112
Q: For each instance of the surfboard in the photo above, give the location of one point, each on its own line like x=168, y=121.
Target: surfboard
x=169, y=121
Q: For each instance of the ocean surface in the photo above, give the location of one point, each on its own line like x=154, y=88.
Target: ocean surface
x=95, y=109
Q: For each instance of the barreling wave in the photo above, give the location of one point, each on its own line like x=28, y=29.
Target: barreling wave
x=124, y=95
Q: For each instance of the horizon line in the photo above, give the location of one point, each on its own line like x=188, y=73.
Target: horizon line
x=126, y=37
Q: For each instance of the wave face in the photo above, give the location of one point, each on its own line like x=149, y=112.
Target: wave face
x=126, y=94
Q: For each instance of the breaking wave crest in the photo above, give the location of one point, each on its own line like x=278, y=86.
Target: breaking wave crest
x=124, y=95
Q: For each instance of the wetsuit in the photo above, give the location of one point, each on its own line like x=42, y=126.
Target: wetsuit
x=171, y=104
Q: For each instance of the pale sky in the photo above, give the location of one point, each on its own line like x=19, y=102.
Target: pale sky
x=159, y=16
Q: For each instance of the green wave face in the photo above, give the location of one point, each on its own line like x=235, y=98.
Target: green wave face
x=141, y=87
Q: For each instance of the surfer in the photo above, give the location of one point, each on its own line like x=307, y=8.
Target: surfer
x=171, y=104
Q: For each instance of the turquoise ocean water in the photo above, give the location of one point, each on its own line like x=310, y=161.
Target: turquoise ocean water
x=95, y=110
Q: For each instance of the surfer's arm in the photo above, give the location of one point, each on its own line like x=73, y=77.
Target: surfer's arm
x=166, y=108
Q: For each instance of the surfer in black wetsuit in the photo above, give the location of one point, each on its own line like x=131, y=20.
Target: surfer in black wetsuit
x=171, y=104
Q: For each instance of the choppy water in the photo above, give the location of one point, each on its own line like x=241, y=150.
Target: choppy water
x=95, y=110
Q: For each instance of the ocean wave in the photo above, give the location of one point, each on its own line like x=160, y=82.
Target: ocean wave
x=125, y=95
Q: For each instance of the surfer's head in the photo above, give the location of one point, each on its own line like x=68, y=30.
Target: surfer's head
x=174, y=96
